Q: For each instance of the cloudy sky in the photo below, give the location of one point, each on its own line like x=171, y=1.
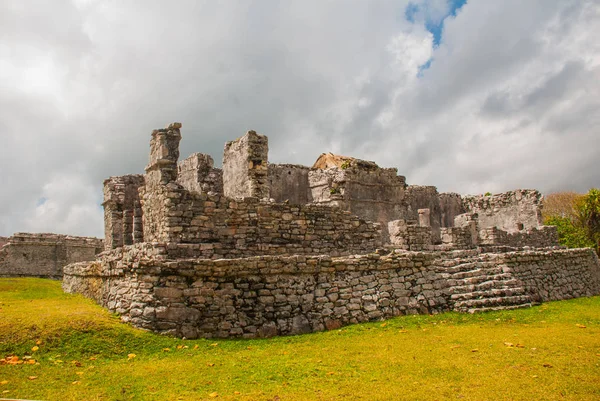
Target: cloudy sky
x=473, y=96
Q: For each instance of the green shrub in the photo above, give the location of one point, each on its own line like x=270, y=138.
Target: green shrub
x=570, y=234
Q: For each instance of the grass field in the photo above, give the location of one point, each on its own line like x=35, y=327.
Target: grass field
x=68, y=348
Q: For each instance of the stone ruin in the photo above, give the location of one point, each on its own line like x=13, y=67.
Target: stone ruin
x=258, y=249
x=44, y=255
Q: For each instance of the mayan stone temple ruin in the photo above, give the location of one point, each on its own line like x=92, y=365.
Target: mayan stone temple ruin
x=257, y=249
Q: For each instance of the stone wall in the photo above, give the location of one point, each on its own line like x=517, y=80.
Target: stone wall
x=509, y=211
x=122, y=211
x=245, y=170
x=451, y=205
x=541, y=237
x=279, y=295
x=425, y=197
x=198, y=174
x=220, y=227
x=289, y=183
x=45, y=255
x=361, y=187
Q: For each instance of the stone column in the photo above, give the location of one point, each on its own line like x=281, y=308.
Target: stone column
x=164, y=153
x=424, y=217
x=245, y=172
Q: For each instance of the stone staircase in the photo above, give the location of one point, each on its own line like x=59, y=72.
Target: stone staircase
x=479, y=286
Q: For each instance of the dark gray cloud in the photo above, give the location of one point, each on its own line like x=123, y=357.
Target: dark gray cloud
x=510, y=98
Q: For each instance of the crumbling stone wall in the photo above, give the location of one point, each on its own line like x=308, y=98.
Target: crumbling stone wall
x=451, y=205
x=122, y=211
x=509, y=211
x=198, y=174
x=245, y=169
x=541, y=237
x=220, y=226
x=362, y=188
x=289, y=183
x=425, y=197
x=45, y=255
x=278, y=295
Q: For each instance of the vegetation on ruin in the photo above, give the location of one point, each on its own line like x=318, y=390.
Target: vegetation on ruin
x=59, y=346
x=576, y=217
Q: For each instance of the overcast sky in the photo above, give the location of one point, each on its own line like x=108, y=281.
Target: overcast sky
x=471, y=97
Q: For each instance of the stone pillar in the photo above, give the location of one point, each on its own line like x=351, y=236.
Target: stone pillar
x=138, y=228
x=424, y=217
x=128, y=227
x=113, y=212
x=120, y=196
x=164, y=153
x=245, y=167
x=197, y=174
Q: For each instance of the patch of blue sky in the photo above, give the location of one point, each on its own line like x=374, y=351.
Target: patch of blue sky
x=435, y=27
x=41, y=201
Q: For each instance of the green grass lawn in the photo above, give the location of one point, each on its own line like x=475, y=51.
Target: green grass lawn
x=549, y=352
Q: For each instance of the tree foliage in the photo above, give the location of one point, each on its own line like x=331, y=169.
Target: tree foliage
x=562, y=204
x=576, y=217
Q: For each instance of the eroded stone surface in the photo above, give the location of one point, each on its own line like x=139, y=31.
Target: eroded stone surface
x=45, y=255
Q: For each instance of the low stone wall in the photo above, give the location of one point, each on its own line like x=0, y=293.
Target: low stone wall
x=280, y=295
x=44, y=255
x=221, y=227
x=542, y=237
x=566, y=274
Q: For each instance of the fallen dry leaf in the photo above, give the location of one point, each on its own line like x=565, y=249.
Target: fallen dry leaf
x=509, y=344
x=92, y=358
x=38, y=342
x=76, y=382
x=214, y=345
x=78, y=373
x=35, y=348
x=196, y=346
x=455, y=346
x=131, y=356
x=3, y=382
x=32, y=377
x=520, y=346
x=474, y=350
x=547, y=365
x=581, y=326
x=166, y=349
x=6, y=392
x=213, y=395
x=210, y=364
x=237, y=393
